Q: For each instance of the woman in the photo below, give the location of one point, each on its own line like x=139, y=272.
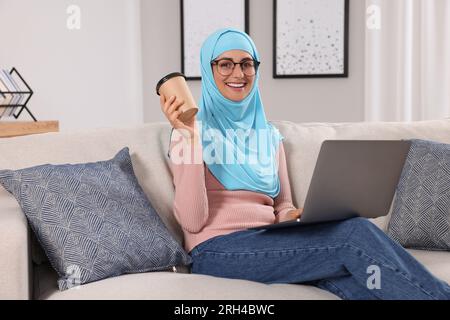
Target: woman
x=216, y=201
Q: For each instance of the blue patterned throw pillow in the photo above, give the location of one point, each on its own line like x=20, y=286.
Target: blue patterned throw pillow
x=421, y=211
x=93, y=220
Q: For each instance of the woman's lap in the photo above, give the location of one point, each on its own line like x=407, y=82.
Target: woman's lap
x=290, y=255
x=338, y=256
x=300, y=237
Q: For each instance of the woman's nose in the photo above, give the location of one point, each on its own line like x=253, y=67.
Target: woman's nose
x=237, y=72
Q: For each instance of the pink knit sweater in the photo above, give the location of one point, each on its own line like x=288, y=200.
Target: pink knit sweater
x=205, y=209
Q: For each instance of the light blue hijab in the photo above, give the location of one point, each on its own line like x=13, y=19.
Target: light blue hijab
x=218, y=114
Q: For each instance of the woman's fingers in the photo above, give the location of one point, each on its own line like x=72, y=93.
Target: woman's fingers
x=164, y=103
x=170, y=108
x=174, y=116
x=293, y=214
x=167, y=103
x=175, y=105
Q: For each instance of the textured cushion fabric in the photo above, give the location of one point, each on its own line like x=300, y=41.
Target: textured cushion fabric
x=421, y=213
x=93, y=220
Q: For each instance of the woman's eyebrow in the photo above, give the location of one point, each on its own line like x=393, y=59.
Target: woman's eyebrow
x=228, y=58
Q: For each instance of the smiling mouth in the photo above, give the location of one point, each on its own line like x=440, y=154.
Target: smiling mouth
x=236, y=86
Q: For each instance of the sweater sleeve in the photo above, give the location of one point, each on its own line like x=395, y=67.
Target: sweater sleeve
x=283, y=201
x=191, y=201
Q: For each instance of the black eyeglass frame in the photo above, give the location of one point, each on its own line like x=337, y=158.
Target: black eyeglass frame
x=256, y=62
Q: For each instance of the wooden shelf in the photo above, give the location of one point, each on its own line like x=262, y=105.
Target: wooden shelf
x=23, y=128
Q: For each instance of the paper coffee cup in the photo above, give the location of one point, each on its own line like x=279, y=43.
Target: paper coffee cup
x=174, y=84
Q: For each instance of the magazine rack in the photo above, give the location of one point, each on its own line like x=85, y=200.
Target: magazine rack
x=23, y=102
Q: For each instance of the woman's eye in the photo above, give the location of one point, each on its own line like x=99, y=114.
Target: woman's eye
x=226, y=65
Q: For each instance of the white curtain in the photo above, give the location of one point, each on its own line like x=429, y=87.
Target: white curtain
x=407, y=60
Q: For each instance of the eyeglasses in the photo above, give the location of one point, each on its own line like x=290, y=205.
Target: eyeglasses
x=226, y=66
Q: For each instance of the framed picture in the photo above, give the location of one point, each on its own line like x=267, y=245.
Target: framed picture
x=310, y=38
x=200, y=18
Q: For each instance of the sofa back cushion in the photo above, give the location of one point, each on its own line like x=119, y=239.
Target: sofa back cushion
x=421, y=214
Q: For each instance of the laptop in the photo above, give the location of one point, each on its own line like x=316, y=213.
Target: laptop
x=356, y=178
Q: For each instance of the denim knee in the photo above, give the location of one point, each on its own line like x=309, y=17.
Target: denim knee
x=359, y=221
x=367, y=238
x=354, y=223
x=362, y=229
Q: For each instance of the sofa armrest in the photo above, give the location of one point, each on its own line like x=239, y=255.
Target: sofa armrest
x=15, y=263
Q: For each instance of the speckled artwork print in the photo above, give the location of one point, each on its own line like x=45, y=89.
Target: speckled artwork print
x=310, y=37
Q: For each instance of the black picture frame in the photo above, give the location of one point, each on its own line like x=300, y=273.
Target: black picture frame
x=184, y=70
x=345, y=44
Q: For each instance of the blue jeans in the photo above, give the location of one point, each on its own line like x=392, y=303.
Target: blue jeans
x=353, y=259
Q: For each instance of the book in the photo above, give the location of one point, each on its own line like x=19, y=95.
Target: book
x=2, y=97
x=21, y=98
x=6, y=100
x=9, y=82
x=14, y=93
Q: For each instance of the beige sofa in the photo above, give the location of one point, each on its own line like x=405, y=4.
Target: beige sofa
x=22, y=278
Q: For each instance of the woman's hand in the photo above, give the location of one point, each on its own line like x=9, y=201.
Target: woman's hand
x=170, y=109
x=290, y=215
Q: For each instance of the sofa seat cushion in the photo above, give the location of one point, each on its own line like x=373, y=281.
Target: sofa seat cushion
x=437, y=262
x=173, y=286
x=183, y=286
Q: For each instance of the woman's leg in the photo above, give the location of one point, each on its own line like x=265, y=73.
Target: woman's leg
x=346, y=287
x=400, y=275
x=335, y=255
x=291, y=255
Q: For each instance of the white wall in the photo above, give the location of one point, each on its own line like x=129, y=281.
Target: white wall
x=299, y=100
x=84, y=78
x=105, y=73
